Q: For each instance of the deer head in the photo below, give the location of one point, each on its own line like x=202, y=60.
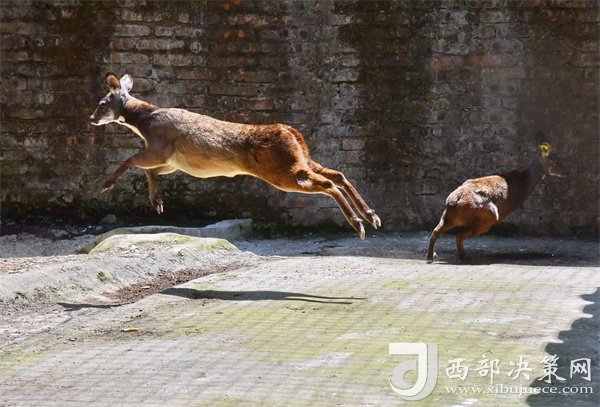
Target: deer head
x=550, y=162
x=110, y=107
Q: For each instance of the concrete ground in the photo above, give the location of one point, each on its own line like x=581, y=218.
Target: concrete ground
x=300, y=322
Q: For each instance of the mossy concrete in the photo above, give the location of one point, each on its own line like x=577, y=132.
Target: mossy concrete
x=344, y=339
x=315, y=330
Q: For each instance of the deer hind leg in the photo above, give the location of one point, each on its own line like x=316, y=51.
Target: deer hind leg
x=155, y=200
x=482, y=224
x=460, y=243
x=441, y=227
x=340, y=181
x=309, y=181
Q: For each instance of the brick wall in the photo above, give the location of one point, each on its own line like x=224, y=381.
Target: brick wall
x=407, y=98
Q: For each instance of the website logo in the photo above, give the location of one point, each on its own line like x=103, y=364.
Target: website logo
x=424, y=362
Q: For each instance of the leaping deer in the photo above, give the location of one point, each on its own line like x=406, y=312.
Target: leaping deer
x=204, y=147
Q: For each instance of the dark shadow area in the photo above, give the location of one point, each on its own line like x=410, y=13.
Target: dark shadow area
x=192, y=293
x=556, y=251
x=520, y=256
x=533, y=258
x=76, y=307
x=484, y=250
x=581, y=341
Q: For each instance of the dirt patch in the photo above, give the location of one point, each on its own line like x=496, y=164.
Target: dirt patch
x=162, y=282
x=43, y=280
x=31, y=245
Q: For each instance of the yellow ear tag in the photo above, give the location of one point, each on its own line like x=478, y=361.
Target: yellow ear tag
x=544, y=146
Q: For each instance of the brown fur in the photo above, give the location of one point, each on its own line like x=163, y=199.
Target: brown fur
x=478, y=204
x=204, y=147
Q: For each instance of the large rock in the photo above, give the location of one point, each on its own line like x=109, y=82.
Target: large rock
x=118, y=261
x=124, y=243
x=231, y=229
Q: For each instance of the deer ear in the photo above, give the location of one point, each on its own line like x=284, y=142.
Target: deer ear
x=113, y=83
x=126, y=83
x=545, y=148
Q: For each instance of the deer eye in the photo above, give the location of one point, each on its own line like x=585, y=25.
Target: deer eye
x=103, y=104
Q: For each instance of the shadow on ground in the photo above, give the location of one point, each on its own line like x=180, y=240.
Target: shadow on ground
x=77, y=307
x=484, y=250
x=192, y=293
x=579, y=342
x=533, y=258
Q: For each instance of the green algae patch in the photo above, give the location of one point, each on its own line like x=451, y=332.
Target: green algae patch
x=48, y=293
x=349, y=340
x=402, y=284
x=469, y=282
x=216, y=245
x=175, y=238
x=104, y=246
x=235, y=402
x=13, y=359
x=107, y=277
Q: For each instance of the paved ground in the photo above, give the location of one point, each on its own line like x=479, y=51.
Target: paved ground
x=309, y=322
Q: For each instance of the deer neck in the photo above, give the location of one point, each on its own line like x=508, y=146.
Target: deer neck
x=135, y=112
x=533, y=175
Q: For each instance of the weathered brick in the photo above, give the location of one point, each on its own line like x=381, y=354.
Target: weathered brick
x=177, y=59
x=132, y=30
x=129, y=58
x=233, y=90
x=161, y=31
x=130, y=15
x=353, y=144
x=262, y=76
x=124, y=44
x=392, y=96
x=345, y=75
x=160, y=44
x=587, y=59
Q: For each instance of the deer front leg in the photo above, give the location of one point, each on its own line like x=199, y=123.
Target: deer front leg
x=340, y=181
x=151, y=174
x=145, y=159
x=313, y=182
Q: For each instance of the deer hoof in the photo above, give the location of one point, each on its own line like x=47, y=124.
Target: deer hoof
x=374, y=219
x=432, y=258
x=157, y=203
x=358, y=225
x=108, y=185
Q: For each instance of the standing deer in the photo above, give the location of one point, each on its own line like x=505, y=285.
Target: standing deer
x=478, y=204
x=204, y=147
